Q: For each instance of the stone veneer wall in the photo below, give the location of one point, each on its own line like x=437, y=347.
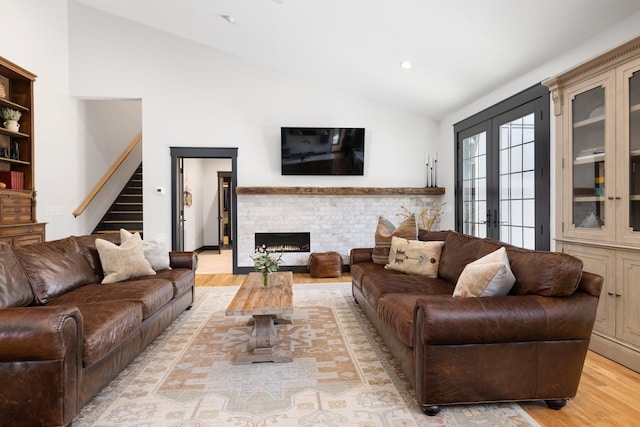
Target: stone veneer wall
x=336, y=223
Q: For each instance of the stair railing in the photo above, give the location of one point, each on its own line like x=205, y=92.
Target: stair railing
x=127, y=151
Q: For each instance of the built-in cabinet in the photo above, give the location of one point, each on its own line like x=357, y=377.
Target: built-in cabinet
x=597, y=108
x=18, y=224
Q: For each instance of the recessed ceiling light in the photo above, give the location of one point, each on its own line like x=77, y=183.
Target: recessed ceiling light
x=230, y=19
x=277, y=1
x=407, y=65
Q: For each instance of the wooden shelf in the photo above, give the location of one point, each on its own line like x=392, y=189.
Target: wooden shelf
x=6, y=103
x=13, y=161
x=344, y=191
x=7, y=132
x=589, y=158
x=590, y=121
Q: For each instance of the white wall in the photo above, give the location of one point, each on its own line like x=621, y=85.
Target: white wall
x=70, y=157
x=196, y=96
x=607, y=40
x=108, y=127
x=33, y=34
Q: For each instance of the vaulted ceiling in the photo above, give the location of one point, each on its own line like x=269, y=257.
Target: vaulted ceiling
x=460, y=50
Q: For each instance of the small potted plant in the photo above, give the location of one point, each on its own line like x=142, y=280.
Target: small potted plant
x=11, y=118
x=265, y=263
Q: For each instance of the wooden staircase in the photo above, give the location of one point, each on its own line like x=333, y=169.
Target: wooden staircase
x=126, y=210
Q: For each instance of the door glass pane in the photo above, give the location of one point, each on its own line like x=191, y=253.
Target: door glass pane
x=634, y=152
x=517, y=182
x=588, y=159
x=474, y=195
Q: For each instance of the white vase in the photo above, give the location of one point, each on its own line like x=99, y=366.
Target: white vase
x=12, y=125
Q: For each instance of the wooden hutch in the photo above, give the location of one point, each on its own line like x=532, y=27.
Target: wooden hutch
x=18, y=224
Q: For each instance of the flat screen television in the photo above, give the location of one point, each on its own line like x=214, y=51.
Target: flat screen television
x=322, y=151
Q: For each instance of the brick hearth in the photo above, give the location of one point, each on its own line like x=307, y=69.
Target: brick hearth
x=336, y=222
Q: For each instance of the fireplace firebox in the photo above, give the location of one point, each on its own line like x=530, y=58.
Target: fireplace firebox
x=284, y=242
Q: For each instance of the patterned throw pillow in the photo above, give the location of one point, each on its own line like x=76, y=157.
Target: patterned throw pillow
x=385, y=230
x=123, y=262
x=415, y=257
x=486, y=277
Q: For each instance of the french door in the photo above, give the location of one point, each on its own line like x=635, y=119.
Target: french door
x=502, y=180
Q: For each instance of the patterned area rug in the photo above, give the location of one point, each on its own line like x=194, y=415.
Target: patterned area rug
x=341, y=374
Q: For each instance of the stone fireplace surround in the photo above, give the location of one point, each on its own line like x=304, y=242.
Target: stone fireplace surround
x=337, y=220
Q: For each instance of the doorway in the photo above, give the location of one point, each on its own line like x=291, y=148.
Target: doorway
x=224, y=210
x=502, y=171
x=178, y=178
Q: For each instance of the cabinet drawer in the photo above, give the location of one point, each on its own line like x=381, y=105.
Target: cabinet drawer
x=15, y=217
x=21, y=230
x=28, y=239
x=11, y=201
x=15, y=210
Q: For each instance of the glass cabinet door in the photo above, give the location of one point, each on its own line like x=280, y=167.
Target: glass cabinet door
x=629, y=229
x=590, y=162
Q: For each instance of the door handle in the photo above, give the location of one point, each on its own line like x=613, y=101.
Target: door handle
x=488, y=220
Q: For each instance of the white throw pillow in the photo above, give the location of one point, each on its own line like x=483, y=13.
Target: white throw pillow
x=155, y=251
x=486, y=277
x=123, y=262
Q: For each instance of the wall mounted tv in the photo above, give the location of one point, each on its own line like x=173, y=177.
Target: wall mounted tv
x=322, y=151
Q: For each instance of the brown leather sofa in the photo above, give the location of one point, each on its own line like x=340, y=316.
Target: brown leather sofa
x=528, y=345
x=64, y=336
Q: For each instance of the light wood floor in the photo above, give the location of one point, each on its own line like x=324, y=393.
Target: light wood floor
x=608, y=394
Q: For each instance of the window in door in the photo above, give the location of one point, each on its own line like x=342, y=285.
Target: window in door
x=502, y=182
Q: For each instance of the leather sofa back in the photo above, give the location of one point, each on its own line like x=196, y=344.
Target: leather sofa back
x=14, y=285
x=537, y=272
x=54, y=267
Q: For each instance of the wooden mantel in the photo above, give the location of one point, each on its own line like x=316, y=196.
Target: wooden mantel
x=344, y=191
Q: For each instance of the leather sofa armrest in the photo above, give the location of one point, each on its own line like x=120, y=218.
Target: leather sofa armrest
x=591, y=283
x=446, y=320
x=357, y=255
x=40, y=364
x=38, y=333
x=183, y=259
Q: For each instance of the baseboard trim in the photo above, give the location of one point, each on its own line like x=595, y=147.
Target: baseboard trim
x=207, y=248
x=616, y=352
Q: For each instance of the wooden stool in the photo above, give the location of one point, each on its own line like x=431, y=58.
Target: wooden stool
x=325, y=264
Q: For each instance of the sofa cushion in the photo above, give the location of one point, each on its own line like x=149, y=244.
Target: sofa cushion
x=88, y=248
x=362, y=269
x=181, y=279
x=396, y=312
x=429, y=236
x=54, y=267
x=375, y=286
x=414, y=256
x=150, y=293
x=559, y=277
x=486, y=277
x=125, y=261
x=14, y=285
x=106, y=325
x=385, y=230
x=459, y=250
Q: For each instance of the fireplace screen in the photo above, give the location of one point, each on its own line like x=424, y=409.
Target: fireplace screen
x=284, y=242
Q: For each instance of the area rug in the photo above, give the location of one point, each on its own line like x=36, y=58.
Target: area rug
x=341, y=374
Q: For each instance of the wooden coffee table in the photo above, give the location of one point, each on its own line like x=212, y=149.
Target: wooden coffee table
x=266, y=305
